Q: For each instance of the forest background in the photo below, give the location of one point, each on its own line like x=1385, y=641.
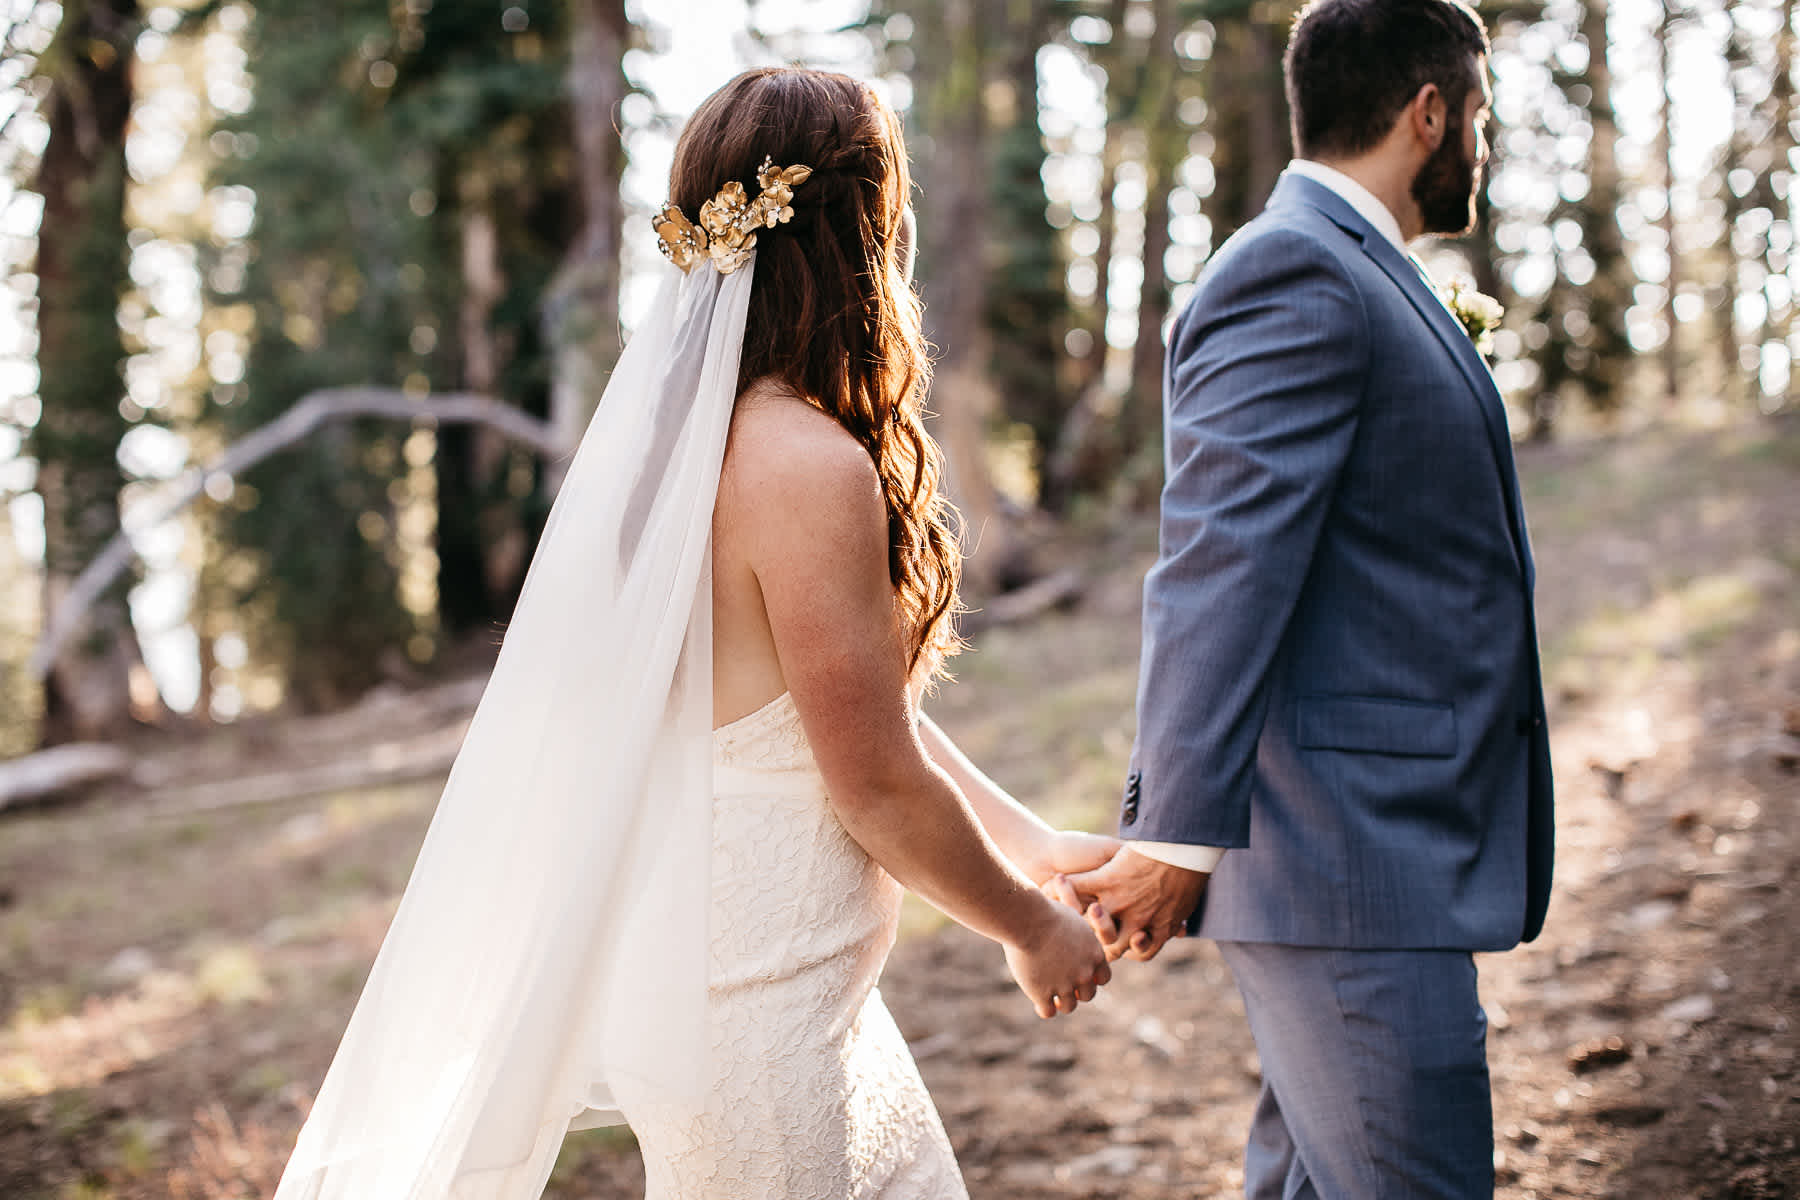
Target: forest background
x=305, y=303
x=210, y=214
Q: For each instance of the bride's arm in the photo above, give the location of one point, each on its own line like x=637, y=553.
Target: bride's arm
x=803, y=501
x=1026, y=838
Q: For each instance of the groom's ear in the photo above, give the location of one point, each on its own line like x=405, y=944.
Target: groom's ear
x=1429, y=116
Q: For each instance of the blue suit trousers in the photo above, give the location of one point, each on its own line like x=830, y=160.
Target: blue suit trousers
x=1375, y=1079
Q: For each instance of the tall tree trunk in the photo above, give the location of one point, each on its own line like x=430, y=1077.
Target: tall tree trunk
x=1027, y=299
x=1665, y=153
x=481, y=543
x=1739, y=153
x=1243, y=94
x=581, y=319
x=1107, y=224
x=1165, y=144
x=1780, y=199
x=81, y=268
x=1605, y=347
x=1268, y=135
x=953, y=238
x=1086, y=452
x=1119, y=103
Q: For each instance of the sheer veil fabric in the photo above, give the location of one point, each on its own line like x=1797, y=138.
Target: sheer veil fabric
x=553, y=935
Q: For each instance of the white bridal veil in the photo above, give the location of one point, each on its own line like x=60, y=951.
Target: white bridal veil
x=552, y=938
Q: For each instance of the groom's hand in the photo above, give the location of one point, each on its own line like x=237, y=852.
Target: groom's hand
x=1149, y=900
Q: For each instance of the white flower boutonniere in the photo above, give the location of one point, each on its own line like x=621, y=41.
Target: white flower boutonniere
x=1479, y=313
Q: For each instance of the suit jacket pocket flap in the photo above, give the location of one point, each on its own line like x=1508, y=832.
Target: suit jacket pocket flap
x=1376, y=726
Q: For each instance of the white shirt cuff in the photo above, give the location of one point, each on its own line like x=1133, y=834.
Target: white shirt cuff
x=1204, y=859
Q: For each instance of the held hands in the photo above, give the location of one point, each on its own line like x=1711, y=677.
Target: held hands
x=1138, y=903
x=1068, y=963
x=1061, y=964
x=1107, y=899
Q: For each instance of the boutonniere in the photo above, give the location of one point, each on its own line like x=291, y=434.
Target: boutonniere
x=1480, y=314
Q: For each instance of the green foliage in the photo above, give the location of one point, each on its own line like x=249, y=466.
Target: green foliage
x=1028, y=306
x=377, y=134
x=80, y=361
x=988, y=252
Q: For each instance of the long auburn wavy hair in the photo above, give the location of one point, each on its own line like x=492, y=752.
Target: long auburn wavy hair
x=832, y=311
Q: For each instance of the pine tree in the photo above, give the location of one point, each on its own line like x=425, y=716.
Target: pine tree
x=1028, y=309
x=1165, y=145
x=1757, y=178
x=954, y=50
x=1665, y=154
x=410, y=172
x=81, y=268
x=1593, y=283
x=1244, y=95
x=581, y=312
x=1605, y=353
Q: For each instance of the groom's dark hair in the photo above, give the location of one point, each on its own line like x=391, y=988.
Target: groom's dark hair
x=1353, y=65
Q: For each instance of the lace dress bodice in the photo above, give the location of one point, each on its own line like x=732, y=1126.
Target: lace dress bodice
x=792, y=892
x=815, y=1095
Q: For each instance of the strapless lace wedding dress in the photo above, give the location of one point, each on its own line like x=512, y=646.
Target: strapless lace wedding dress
x=815, y=1096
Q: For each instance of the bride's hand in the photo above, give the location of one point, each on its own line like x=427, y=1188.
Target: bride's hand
x=1062, y=964
x=1069, y=852
x=1058, y=888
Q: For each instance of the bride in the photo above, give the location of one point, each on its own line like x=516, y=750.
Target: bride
x=666, y=869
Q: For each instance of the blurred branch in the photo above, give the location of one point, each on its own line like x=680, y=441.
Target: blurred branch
x=313, y=410
x=1060, y=590
x=60, y=769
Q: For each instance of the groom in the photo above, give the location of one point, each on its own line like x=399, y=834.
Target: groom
x=1341, y=771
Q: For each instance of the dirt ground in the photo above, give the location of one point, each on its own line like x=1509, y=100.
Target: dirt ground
x=175, y=968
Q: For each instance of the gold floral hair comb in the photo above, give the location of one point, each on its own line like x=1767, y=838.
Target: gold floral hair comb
x=729, y=221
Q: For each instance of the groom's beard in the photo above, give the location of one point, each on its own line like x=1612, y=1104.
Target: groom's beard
x=1445, y=187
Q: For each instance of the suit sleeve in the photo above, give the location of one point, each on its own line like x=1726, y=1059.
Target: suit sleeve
x=1265, y=373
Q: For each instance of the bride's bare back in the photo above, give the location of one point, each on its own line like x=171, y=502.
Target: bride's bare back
x=746, y=670
x=799, y=526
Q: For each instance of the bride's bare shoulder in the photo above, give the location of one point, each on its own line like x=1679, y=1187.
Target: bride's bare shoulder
x=783, y=450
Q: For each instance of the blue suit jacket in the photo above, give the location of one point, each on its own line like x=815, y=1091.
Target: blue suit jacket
x=1340, y=673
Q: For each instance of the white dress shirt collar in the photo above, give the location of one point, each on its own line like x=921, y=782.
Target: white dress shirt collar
x=1355, y=195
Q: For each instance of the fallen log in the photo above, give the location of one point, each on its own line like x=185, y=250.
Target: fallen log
x=392, y=761
x=59, y=770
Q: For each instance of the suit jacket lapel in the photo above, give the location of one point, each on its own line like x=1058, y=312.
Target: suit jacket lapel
x=1405, y=273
